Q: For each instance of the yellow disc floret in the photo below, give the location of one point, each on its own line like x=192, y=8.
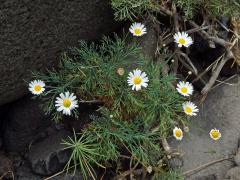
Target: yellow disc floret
x=188, y=109
x=215, y=134
x=37, y=88
x=182, y=41
x=137, y=80
x=67, y=102
x=178, y=133
x=184, y=89
x=138, y=31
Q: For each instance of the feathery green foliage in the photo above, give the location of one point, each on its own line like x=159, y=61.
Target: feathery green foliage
x=130, y=9
x=213, y=7
x=130, y=123
x=170, y=175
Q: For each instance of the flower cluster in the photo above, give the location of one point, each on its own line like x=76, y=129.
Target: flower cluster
x=66, y=102
x=186, y=89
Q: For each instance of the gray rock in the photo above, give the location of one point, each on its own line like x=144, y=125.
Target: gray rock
x=24, y=123
x=233, y=174
x=76, y=176
x=6, y=165
x=34, y=33
x=25, y=173
x=48, y=157
x=209, y=177
x=237, y=158
x=221, y=111
x=176, y=162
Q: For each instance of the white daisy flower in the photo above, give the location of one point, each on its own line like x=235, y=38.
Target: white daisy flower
x=215, y=134
x=178, y=133
x=138, y=29
x=182, y=39
x=190, y=108
x=137, y=79
x=36, y=87
x=66, y=103
x=185, y=88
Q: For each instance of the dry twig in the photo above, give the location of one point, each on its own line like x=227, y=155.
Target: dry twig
x=199, y=168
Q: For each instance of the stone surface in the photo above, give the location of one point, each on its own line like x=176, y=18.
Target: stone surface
x=233, y=174
x=176, y=162
x=209, y=177
x=237, y=158
x=6, y=165
x=34, y=33
x=25, y=173
x=24, y=122
x=48, y=157
x=221, y=111
x=76, y=176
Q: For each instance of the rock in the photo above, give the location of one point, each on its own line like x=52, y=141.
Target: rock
x=6, y=165
x=233, y=174
x=22, y=169
x=48, y=157
x=34, y=34
x=176, y=162
x=25, y=173
x=220, y=110
x=237, y=158
x=24, y=123
x=209, y=177
x=76, y=176
x=3, y=110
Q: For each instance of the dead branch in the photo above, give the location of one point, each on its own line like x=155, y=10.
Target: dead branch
x=129, y=172
x=194, y=69
x=189, y=172
x=229, y=55
x=206, y=36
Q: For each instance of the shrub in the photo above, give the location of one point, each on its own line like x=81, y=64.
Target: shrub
x=129, y=9
x=130, y=123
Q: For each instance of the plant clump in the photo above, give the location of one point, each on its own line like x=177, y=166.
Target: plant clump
x=138, y=105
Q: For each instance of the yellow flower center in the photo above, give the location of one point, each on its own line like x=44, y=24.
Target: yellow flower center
x=67, y=102
x=215, y=133
x=137, y=80
x=184, y=89
x=37, y=88
x=137, y=31
x=188, y=109
x=178, y=133
x=182, y=41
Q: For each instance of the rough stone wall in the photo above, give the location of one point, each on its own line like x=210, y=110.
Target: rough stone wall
x=33, y=33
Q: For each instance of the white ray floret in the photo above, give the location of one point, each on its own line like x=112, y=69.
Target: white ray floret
x=182, y=39
x=185, y=88
x=36, y=87
x=137, y=79
x=190, y=108
x=66, y=103
x=138, y=29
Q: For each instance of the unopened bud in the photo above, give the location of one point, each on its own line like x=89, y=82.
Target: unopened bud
x=149, y=169
x=186, y=129
x=120, y=71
